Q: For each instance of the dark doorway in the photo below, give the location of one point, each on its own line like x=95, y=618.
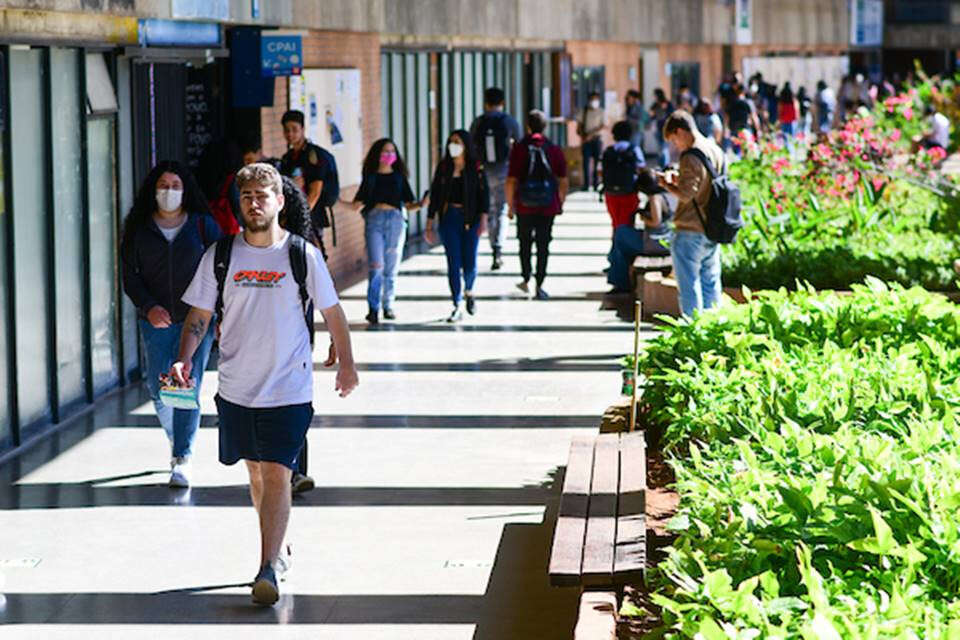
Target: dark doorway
x=587, y=80
x=684, y=73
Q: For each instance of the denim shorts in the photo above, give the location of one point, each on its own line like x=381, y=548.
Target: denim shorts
x=272, y=434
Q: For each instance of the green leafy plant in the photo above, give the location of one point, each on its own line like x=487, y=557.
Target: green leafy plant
x=816, y=447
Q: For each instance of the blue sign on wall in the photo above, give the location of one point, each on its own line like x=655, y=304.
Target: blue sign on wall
x=280, y=55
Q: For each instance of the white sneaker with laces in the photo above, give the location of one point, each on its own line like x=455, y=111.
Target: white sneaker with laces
x=180, y=473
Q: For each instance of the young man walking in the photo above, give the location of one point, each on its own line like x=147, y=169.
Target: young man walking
x=536, y=188
x=493, y=134
x=264, y=400
x=314, y=169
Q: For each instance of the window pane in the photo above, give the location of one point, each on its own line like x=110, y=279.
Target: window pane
x=101, y=97
x=68, y=222
x=131, y=354
x=6, y=428
x=103, y=283
x=30, y=233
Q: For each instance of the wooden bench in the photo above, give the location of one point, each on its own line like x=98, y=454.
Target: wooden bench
x=600, y=538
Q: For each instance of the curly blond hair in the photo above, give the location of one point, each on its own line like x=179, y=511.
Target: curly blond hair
x=262, y=174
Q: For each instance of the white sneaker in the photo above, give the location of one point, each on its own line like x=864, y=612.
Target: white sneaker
x=180, y=473
x=284, y=561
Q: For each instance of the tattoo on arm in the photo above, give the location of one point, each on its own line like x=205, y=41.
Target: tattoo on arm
x=197, y=328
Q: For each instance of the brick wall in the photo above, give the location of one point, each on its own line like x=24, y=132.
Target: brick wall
x=327, y=49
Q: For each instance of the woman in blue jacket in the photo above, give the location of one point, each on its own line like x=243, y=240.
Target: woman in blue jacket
x=164, y=236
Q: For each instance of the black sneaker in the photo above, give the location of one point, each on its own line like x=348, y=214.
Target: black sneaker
x=388, y=314
x=265, y=590
x=456, y=315
x=471, y=305
x=497, y=261
x=301, y=483
x=373, y=318
x=541, y=294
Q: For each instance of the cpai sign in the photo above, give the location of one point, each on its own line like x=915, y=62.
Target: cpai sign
x=280, y=55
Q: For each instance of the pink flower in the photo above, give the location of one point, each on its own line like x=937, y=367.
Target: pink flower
x=908, y=113
x=895, y=135
x=877, y=183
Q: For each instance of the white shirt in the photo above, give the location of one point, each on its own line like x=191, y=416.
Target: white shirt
x=171, y=232
x=941, y=129
x=265, y=354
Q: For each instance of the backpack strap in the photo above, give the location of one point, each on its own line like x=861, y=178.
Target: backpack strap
x=298, y=265
x=221, y=264
x=537, y=152
x=699, y=155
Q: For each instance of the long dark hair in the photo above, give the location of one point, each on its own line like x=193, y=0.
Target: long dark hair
x=786, y=94
x=470, y=160
x=295, y=215
x=145, y=203
x=371, y=164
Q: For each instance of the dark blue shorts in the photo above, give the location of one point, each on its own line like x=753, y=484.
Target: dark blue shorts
x=273, y=434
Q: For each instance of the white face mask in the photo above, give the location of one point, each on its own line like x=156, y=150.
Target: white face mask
x=594, y=104
x=169, y=199
x=455, y=149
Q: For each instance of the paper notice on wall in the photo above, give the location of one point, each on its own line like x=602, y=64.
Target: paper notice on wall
x=743, y=21
x=330, y=98
x=612, y=106
x=866, y=23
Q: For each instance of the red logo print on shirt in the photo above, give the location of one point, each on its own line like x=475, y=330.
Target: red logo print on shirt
x=258, y=278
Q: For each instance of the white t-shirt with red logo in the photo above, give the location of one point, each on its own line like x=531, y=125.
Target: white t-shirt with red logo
x=265, y=354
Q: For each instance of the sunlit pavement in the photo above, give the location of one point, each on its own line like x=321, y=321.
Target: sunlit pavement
x=437, y=480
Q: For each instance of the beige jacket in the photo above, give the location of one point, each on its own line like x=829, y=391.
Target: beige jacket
x=693, y=185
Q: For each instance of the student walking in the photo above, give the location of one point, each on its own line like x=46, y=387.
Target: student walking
x=590, y=127
x=788, y=115
x=295, y=217
x=264, y=400
x=383, y=193
x=314, y=170
x=493, y=134
x=696, y=260
x=536, y=189
x=621, y=162
x=659, y=110
x=459, y=199
x=164, y=237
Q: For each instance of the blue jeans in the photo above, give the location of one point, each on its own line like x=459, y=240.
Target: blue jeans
x=628, y=243
x=385, y=232
x=460, y=244
x=496, y=217
x=591, y=159
x=696, y=262
x=789, y=131
x=162, y=349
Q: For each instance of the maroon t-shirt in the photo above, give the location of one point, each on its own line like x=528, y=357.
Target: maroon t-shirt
x=520, y=165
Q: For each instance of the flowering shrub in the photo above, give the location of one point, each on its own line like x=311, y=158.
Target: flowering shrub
x=856, y=203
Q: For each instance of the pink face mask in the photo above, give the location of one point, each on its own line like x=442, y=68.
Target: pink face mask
x=388, y=158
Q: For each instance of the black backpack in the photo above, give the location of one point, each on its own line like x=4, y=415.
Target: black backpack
x=330, y=192
x=298, y=266
x=539, y=188
x=493, y=138
x=620, y=171
x=723, y=219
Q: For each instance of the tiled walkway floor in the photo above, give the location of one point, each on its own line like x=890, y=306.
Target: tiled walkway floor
x=436, y=492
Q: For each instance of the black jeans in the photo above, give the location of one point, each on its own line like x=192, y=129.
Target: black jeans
x=591, y=158
x=532, y=227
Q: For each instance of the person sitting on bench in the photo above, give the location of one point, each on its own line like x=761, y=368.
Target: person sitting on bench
x=630, y=242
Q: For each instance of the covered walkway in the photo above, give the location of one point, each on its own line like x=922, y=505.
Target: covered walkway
x=437, y=481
